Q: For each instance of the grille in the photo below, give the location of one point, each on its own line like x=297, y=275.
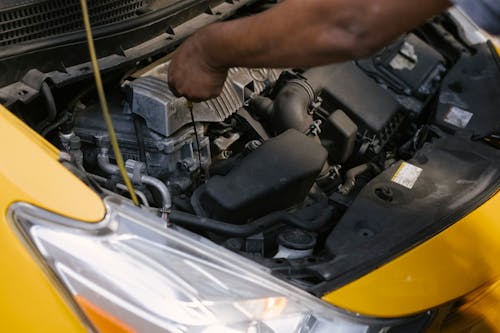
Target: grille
x=56, y=17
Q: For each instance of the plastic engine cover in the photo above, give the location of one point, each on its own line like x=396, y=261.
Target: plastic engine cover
x=276, y=176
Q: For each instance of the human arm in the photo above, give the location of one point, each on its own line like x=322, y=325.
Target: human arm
x=294, y=33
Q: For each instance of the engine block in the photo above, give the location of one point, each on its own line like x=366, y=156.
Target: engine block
x=150, y=98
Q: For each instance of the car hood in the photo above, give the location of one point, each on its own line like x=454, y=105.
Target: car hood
x=42, y=40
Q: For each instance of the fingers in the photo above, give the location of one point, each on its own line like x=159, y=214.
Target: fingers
x=194, y=83
x=190, y=76
x=197, y=95
x=173, y=89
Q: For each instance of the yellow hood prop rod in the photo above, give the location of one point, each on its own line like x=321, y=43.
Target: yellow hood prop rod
x=104, y=103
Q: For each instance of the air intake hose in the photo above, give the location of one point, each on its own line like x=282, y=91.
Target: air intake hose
x=289, y=109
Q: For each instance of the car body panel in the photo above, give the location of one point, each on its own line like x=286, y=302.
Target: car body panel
x=479, y=313
x=30, y=172
x=451, y=265
x=459, y=263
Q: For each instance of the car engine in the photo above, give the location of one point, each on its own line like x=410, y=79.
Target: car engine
x=286, y=164
x=267, y=166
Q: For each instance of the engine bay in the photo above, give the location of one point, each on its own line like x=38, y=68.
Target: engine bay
x=319, y=174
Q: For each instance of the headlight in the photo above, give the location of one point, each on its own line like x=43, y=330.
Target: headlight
x=131, y=273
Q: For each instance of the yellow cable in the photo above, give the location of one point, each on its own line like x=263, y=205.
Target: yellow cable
x=104, y=103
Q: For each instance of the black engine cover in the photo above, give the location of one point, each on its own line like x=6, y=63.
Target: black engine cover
x=276, y=176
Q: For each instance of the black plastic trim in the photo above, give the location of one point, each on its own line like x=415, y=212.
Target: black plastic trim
x=67, y=62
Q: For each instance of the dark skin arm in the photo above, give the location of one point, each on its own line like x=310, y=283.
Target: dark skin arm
x=294, y=33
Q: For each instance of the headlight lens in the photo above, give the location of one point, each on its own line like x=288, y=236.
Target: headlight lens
x=154, y=279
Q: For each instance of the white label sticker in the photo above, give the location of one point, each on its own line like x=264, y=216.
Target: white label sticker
x=407, y=175
x=458, y=117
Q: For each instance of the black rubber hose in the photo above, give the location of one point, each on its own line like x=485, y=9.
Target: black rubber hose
x=319, y=77
x=139, y=134
x=352, y=174
x=50, y=105
x=64, y=118
x=289, y=109
x=291, y=104
x=192, y=221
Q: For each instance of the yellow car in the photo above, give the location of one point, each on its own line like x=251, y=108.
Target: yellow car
x=357, y=197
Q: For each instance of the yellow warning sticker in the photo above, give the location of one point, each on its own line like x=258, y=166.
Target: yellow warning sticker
x=407, y=175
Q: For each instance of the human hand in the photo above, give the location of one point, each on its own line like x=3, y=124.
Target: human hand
x=192, y=75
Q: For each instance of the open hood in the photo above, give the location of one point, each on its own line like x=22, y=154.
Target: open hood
x=42, y=40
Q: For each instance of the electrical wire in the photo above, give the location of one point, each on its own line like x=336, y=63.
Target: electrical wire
x=104, y=104
x=190, y=107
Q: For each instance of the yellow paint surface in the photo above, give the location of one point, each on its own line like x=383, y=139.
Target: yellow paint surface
x=454, y=263
x=30, y=172
x=480, y=313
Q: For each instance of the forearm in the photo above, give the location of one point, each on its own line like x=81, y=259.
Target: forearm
x=299, y=33
x=294, y=33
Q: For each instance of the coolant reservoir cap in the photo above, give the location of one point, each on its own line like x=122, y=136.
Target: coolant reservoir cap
x=297, y=239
